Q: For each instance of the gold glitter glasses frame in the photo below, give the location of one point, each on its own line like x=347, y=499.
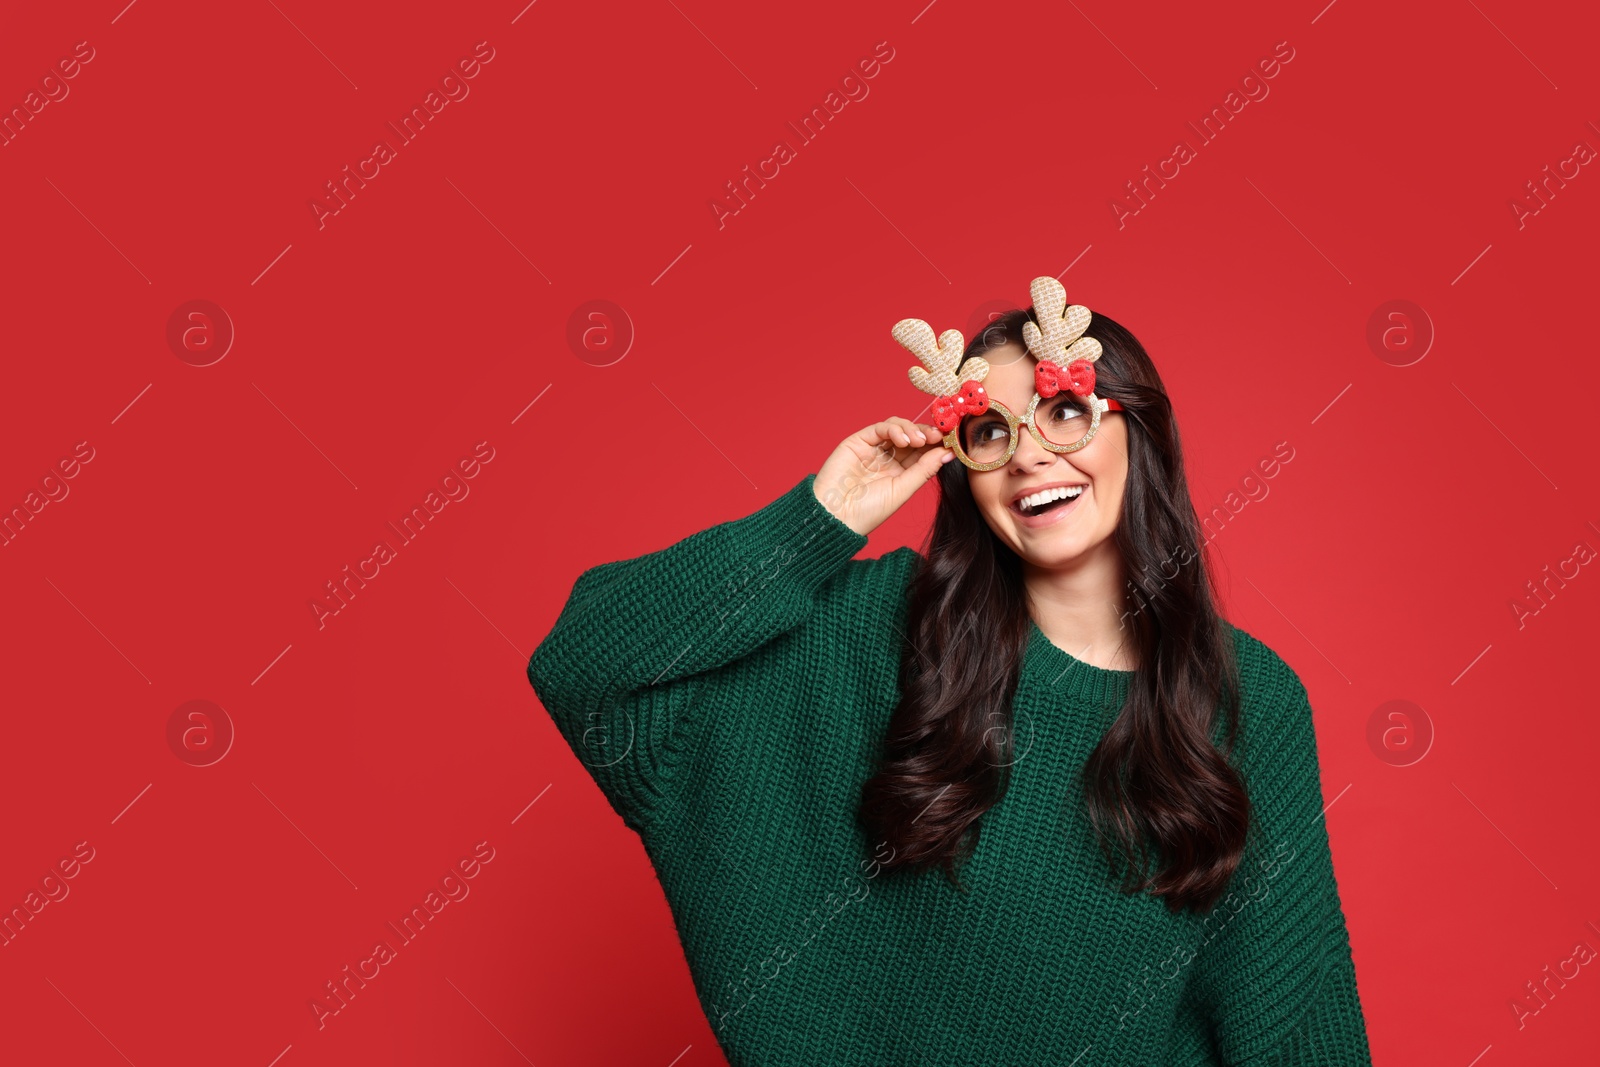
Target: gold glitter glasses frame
x=952, y=440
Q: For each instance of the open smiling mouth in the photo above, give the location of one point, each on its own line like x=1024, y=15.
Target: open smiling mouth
x=1047, y=500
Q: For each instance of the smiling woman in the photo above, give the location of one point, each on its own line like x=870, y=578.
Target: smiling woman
x=805, y=751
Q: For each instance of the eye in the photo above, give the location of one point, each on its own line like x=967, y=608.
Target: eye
x=980, y=430
x=990, y=431
x=1062, y=419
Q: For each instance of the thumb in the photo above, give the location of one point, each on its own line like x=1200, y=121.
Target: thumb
x=926, y=466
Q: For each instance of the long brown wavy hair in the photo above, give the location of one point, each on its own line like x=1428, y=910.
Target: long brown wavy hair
x=1159, y=789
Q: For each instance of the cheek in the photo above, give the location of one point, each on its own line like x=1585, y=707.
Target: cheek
x=986, y=493
x=1112, y=478
x=1109, y=464
x=981, y=485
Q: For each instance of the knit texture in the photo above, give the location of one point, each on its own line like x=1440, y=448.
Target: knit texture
x=729, y=695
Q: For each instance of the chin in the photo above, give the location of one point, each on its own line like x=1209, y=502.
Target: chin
x=1054, y=556
x=1053, y=549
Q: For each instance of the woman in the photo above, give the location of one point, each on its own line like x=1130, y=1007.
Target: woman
x=1027, y=800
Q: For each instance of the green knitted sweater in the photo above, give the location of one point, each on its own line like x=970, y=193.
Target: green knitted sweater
x=729, y=695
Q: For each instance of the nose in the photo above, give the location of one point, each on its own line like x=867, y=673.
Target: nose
x=1029, y=455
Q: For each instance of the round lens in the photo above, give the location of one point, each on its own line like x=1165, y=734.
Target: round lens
x=1063, y=419
x=985, y=438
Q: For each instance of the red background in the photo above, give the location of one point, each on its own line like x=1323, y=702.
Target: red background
x=373, y=353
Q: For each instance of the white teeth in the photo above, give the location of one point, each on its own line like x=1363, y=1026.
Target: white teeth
x=1064, y=492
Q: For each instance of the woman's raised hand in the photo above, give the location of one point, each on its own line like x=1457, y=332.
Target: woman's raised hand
x=873, y=472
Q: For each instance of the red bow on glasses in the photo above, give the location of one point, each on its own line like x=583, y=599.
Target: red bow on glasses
x=972, y=399
x=1048, y=377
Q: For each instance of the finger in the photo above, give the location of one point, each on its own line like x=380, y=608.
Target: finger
x=887, y=433
x=873, y=444
x=926, y=459
x=917, y=454
x=915, y=435
x=879, y=432
x=883, y=455
x=921, y=433
x=917, y=474
x=915, y=438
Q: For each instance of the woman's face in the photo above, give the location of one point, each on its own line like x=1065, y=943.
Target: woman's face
x=1065, y=531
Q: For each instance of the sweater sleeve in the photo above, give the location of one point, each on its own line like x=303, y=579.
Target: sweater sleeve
x=620, y=672
x=1274, y=973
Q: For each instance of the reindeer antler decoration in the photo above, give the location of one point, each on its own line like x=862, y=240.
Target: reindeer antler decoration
x=958, y=394
x=1065, y=356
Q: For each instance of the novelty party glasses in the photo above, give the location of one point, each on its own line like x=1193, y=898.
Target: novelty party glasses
x=1064, y=413
x=1061, y=423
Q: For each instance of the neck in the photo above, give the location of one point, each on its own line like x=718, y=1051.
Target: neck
x=1079, y=607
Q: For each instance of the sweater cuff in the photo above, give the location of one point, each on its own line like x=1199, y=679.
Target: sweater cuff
x=796, y=540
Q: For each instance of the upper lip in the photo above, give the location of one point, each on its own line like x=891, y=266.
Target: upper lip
x=1032, y=489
